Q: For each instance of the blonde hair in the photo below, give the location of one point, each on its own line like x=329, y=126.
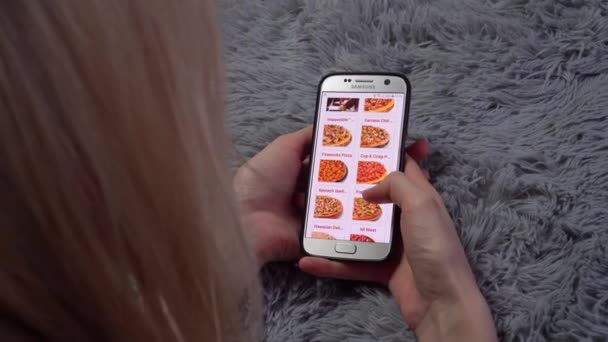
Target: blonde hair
x=116, y=216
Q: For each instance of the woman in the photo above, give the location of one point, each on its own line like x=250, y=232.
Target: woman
x=117, y=216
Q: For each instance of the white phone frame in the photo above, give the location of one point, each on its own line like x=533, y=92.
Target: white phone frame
x=360, y=83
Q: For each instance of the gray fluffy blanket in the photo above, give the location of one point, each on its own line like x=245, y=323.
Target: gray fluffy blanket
x=513, y=96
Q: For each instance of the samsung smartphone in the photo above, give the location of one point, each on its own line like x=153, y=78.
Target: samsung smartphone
x=359, y=138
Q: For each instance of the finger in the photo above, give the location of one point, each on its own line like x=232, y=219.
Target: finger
x=306, y=161
x=350, y=271
x=414, y=173
x=296, y=146
x=395, y=188
x=303, y=178
x=419, y=150
x=299, y=142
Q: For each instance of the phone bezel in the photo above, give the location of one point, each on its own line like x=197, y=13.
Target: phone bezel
x=335, y=82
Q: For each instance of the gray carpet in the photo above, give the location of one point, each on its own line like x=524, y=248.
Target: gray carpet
x=513, y=96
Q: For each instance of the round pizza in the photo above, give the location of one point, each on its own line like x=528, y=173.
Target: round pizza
x=335, y=135
x=379, y=105
x=374, y=136
x=361, y=238
x=332, y=171
x=366, y=211
x=370, y=172
x=321, y=235
x=327, y=207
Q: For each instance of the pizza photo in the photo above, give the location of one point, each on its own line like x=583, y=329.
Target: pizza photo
x=335, y=135
x=379, y=105
x=370, y=172
x=321, y=235
x=366, y=211
x=328, y=207
x=361, y=238
x=332, y=171
x=335, y=104
x=372, y=136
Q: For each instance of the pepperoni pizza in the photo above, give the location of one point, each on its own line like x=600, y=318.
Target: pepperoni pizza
x=361, y=238
x=332, y=171
x=370, y=172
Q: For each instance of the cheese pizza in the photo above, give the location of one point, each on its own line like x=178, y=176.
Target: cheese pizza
x=374, y=136
x=335, y=135
x=321, y=235
x=328, y=207
x=379, y=105
x=366, y=211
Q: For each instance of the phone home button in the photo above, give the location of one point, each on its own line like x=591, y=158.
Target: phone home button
x=346, y=248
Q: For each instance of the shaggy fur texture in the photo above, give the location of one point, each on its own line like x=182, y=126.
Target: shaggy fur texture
x=512, y=95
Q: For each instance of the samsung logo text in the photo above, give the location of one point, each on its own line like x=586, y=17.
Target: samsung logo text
x=362, y=86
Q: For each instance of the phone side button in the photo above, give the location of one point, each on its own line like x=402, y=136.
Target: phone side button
x=346, y=248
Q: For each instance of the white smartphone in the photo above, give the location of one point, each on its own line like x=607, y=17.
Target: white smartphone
x=359, y=138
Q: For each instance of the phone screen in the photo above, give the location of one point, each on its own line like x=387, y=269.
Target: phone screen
x=358, y=141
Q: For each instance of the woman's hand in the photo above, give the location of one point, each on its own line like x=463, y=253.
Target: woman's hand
x=270, y=191
x=429, y=276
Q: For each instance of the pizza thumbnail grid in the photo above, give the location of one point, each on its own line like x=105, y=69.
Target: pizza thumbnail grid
x=336, y=171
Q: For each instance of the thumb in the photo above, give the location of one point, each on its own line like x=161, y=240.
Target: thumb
x=298, y=142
